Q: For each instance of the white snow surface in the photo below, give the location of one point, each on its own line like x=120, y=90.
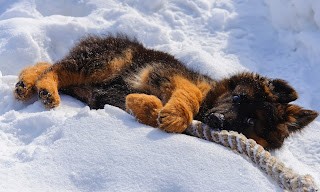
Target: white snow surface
x=73, y=148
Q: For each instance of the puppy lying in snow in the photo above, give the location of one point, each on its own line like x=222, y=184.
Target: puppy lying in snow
x=161, y=92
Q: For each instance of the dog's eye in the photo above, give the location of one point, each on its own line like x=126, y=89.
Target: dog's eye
x=236, y=99
x=250, y=122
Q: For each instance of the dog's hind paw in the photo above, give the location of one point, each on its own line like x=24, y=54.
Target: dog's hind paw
x=27, y=78
x=49, y=99
x=23, y=90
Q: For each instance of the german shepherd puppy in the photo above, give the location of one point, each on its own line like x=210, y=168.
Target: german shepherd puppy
x=161, y=92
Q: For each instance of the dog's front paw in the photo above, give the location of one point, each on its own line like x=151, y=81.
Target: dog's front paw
x=49, y=99
x=175, y=118
x=23, y=90
x=144, y=107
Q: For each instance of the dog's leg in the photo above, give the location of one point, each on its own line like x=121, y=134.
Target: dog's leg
x=50, y=82
x=68, y=73
x=27, y=78
x=177, y=113
x=179, y=92
x=144, y=107
x=182, y=106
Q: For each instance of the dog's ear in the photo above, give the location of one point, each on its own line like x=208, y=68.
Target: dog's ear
x=282, y=91
x=297, y=118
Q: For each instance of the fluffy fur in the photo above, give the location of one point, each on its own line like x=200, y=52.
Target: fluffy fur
x=161, y=92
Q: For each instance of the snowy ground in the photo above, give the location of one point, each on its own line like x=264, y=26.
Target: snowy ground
x=72, y=148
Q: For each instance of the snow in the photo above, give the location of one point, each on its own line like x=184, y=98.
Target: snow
x=73, y=148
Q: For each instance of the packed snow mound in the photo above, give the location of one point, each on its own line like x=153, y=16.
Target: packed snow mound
x=73, y=148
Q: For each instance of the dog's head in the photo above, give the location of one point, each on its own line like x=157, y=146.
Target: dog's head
x=258, y=108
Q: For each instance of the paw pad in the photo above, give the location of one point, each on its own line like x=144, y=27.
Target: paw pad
x=47, y=98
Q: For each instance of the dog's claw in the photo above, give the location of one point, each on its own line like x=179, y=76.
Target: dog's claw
x=47, y=99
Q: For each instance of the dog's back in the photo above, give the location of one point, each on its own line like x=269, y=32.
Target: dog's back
x=131, y=63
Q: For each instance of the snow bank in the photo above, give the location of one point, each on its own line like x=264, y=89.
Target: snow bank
x=298, y=23
x=72, y=148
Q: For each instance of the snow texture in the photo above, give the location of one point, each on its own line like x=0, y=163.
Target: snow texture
x=73, y=148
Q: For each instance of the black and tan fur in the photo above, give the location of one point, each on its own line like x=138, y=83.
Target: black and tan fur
x=160, y=91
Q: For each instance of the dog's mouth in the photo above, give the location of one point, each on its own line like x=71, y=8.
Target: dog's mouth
x=215, y=120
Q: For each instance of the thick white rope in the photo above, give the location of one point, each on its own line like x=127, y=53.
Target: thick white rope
x=284, y=176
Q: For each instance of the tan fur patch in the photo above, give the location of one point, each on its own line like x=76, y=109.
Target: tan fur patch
x=30, y=73
x=144, y=107
x=113, y=69
x=140, y=81
x=291, y=111
x=204, y=87
x=62, y=78
x=183, y=104
x=268, y=93
x=258, y=139
x=49, y=82
x=282, y=130
x=66, y=78
x=191, y=95
x=175, y=116
x=118, y=63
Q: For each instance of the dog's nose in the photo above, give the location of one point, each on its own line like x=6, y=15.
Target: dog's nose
x=215, y=120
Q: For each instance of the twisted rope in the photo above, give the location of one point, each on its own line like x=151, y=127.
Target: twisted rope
x=284, y=176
